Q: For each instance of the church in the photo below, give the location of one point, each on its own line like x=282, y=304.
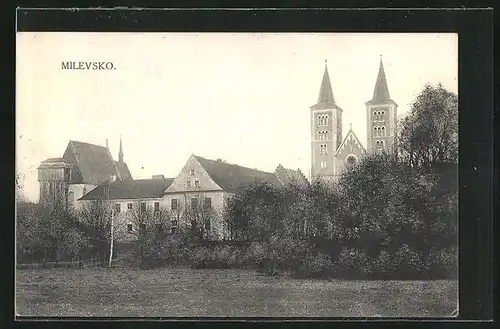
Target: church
x=331, y=153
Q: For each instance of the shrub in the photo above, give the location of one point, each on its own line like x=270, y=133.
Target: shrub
x=442, y=263
x=352, y=263
x=316, y=265
x=407, y=263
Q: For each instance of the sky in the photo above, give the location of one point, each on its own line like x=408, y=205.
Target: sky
x=241, y=97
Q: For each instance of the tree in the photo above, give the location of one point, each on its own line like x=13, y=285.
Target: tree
x=47, y=234
x=200, y=216
x=152, y=229
x=95, y=222
x=429, y=133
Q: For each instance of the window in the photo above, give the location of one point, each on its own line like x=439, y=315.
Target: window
x=158, y=228
x=191, y=172
x=194, y=203
x=207, y=203
x=351, y=159
x=197, y=183
x=143, y=206
x=129, y=227
x=383, y=131
x=157, y=206
x=188, y=183
x=118, y=208
x=84, y=190
x=71, y=198
x=323, y=164
x=143, y=226
x=323, y=149
x=173, y=226
x=207, y=224
x=129, y=206
x=173, y=204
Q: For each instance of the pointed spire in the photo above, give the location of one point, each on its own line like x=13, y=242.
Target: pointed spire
x=325, y=92
x=381, y=92
x=120, y=153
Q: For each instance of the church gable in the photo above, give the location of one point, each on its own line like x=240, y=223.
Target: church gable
x=350, y=152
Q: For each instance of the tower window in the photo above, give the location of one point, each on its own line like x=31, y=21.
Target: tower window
x=383, y=131
x=323, y=149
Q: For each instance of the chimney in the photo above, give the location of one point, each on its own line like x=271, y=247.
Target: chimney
x=107, y=144
x=158, y=177
x=219, y=160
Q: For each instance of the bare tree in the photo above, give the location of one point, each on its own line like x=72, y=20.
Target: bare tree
x=95, y=221
x=151, y=227
x=200, y=216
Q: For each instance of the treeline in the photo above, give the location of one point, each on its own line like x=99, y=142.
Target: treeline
x=392, y=216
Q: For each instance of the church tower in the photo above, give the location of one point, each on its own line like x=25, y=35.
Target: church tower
x=326, y=130
x=381, y=117
x=120, y=152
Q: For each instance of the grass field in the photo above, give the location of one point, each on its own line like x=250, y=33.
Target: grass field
x=181, y=292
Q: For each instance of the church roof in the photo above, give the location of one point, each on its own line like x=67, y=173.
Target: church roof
x=234, y=178
x=133, y=189
x=326, y=99
x=93, y=164
x=290, y=176
x=381, y=91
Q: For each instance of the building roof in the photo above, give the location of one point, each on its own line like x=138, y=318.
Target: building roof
x=93, y=164
x=133, y=189
x=233, y=178
x=381, y=91
x=290, y=176
x=54, y=163
x=326, y=100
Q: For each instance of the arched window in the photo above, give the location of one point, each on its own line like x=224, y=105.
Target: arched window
x=383, y=131
x=326, y=121
x=374, y=131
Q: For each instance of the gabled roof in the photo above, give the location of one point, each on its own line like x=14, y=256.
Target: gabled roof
x=356, y=139
x=381, y=91
x=133, y=189
x=93, y=164
x=233, y=178
x=290, y=176
x=124, y=171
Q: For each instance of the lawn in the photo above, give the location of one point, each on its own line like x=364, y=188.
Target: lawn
x=180, y=292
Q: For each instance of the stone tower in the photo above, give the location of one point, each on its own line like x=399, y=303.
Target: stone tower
x=326, y=130
x=381, y=117
x=54, y=176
